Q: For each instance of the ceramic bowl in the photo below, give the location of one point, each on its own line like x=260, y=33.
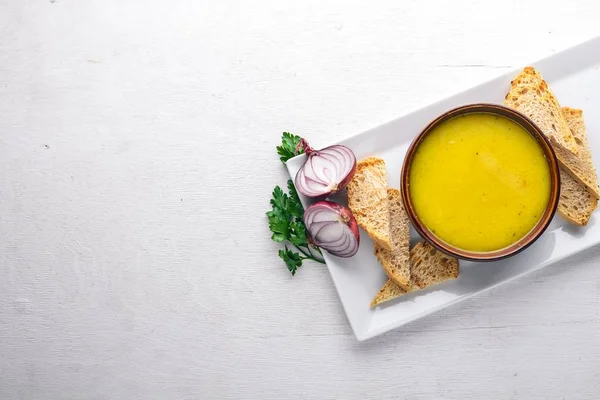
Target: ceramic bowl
x=526, y=240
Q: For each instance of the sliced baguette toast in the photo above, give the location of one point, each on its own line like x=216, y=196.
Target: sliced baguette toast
x=581, y=165
x=529, y=93
x=431, y=266
x=428, y=267
x=577, y=202
x=368, y=200
x=389, y=291
x=396, y=262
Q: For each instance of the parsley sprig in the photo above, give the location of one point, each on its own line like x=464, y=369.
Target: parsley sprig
x=289, y=143
x=285, y=217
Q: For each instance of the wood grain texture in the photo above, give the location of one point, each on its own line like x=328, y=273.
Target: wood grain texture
x=137, y=145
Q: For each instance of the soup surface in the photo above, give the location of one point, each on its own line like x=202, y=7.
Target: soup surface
x=479, y=182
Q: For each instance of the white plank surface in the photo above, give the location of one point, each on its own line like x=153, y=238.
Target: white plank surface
x=137, y=145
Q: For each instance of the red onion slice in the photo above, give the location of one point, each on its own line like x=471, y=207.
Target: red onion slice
x=332, y=227
x=325, y=172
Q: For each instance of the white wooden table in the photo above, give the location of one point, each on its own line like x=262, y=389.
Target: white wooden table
x=137, y=141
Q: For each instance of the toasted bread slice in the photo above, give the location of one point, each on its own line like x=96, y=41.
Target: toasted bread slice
x=368, y=200
x=396, y=262
x=529, y=93
x=581, y=165
x=431, y=266
x=428, y=267
x=389, y=291
x=577, y=202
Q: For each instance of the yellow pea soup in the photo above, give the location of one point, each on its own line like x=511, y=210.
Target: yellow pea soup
x=479, y=182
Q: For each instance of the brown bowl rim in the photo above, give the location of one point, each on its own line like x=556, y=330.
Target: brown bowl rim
x=526, y=240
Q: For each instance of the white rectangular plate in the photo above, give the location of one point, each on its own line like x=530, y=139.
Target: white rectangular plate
x=574, y=76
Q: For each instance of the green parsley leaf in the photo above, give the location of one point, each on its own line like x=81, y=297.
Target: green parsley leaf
x=297, y=233
x=291, y=259
x=279, y=217
x=279, y=225
x=287, y=149
x=295, y=208
x=280, y=200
